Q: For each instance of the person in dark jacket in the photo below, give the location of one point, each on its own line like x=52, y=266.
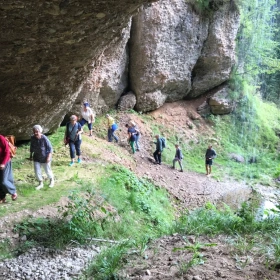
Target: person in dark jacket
x=137, y=134
x=41, y=153
x=7, y=185
x=209, y=156
x=74, y=131
x=178, y=157
x=131, y=132
x=158, y=151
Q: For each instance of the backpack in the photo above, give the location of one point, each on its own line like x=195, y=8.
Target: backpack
x=163, y=142
x=11, y=139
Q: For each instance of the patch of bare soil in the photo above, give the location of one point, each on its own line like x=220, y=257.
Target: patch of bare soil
x=172, y=257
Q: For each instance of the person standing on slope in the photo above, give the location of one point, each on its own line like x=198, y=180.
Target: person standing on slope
x=209, y=156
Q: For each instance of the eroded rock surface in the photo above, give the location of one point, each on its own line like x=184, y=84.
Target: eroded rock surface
x=56, y=54
x=48, y=50
x=166, y=41
x=218, y=55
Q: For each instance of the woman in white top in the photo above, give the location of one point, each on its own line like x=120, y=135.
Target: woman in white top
x=87, y=117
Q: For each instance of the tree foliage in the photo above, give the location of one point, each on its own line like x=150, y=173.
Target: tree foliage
x=258, y=45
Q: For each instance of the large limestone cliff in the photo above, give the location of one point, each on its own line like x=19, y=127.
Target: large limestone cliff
x=55, y=54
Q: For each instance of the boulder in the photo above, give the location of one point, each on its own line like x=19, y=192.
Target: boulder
x=166, y=40
x=218, y=54
x=127, y=102
x=237, y=158
x=220, y=103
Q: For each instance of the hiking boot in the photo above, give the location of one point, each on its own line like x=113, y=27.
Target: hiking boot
x=71, y=163
x=3, y=200
x=14, y=196
x=40, y=186
x=181, y=170
x=51, y=183
x=79, y=160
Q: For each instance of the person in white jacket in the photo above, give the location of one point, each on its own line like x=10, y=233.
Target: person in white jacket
x=87, y=116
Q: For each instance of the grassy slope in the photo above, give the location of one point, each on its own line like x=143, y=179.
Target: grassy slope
x=145, y=211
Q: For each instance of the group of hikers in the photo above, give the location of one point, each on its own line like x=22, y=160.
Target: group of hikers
x=41, y=150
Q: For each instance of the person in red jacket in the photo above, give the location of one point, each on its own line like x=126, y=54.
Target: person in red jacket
x=6, y=174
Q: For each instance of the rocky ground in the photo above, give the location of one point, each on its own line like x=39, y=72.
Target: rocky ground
x=159, y=261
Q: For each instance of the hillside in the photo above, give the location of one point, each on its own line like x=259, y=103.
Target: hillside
x=178, y=122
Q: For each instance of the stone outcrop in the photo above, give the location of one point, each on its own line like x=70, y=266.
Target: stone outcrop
x=108, y=78
x=48, y=49
x=220, y=103
x=56, y=54
x=166, y=41
x=218, y=55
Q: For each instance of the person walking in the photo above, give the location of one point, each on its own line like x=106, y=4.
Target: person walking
x=209, y=156
x=73, y=133
x=158, y=151
x=137, y=134
x=87, y=116
x=131, y=136
x=112, y=127
x=7, y=185
x=178, y=157
x=41, y=153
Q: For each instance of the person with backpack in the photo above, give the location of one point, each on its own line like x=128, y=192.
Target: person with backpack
x=41, y=153
x=7, y=185
x=137, y=134
x=160, y=144
x=178, y=157
x=73, y=137
x=87, y=116
x=209, y=156
x=131, y=136
x=112, y=127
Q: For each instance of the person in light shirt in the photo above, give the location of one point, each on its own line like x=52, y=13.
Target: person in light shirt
x=87, y=116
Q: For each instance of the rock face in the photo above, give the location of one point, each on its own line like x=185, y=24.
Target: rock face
x=108, y=78
x=166, y=41
x=218, y=55
x=48, y=49
x=56, y=54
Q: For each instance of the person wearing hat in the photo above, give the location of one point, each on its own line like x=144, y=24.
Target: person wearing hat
x=7, y=185
x=41, y=153
x=73, y=133
x=87, y=116
x=112, y=126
